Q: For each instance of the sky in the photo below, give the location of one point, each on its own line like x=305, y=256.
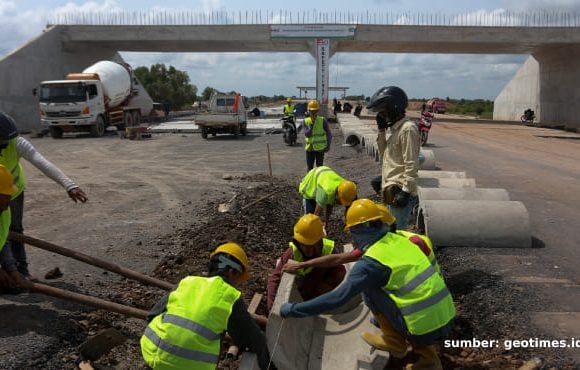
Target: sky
x=420, y=75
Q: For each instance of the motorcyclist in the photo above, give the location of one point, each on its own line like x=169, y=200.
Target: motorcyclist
x=289, y=109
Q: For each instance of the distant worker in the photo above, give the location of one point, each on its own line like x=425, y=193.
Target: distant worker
x=185, y=327
x=322, y=188
x=12, y=148
x=308, y=243
x=358, y=110
x=8, y=280
x=317, y=136
x=399, y=149
x=289, y=108
x=407, y=296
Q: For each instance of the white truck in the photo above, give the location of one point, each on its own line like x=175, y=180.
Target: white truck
x=227, y=114
x=104, y=94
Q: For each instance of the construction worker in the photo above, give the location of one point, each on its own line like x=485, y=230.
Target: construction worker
x=12, y=148
x=7, y=190
x=328, y=261
x=408, y=297
x=186, y=325
x=399, y=149
x=289, y=108
x=308, y=242
x=322, y=188
x=317, y=136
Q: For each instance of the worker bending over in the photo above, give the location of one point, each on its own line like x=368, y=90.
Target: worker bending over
x=308, y=242
x=406, y=294
x=322, y=188
x=185, y=327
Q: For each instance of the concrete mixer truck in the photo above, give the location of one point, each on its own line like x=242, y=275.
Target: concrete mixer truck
x=104, y=94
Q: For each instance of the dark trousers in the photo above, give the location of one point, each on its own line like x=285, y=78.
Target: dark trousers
x=311, y=156
x=13, y=256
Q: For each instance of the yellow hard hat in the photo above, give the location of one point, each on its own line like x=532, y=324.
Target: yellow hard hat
x=346, y=192
x=7, y=186
x=289, y=100
x=309, y=229
x=386, y=215
x=313, y=106
x=361, y=211
x=234, y=250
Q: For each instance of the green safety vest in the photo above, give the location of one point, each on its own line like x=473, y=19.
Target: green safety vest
x=430, y=253
x=327, y=248
x=317, y=141
x=10, y=159
x=5, y=220
x=289, y=110
x=320, y=177
x=416, y=288
x=187, y=335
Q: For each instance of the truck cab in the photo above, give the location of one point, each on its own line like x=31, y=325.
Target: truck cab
x=227, y=115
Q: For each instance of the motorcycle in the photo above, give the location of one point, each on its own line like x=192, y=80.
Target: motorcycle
x=424, y=125
x=289, y=128
x=528, y=117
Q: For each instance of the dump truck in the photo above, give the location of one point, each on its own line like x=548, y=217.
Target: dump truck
x=437, y=105
x=104, y=94
x=227, y=114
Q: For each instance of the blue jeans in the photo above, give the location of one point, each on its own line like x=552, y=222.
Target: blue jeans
x=311, y=157
x=13, y=256
x=403, y=215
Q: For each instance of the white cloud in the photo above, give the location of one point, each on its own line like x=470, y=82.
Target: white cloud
x=6, y=7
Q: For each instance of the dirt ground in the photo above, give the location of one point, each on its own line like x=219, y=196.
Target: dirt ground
x=154, y=208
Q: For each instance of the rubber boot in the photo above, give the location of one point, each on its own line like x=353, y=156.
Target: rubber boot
x=388, y=340
x=428, y=359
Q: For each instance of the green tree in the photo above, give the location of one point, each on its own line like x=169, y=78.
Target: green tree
x=167, y=85
x=207, y=93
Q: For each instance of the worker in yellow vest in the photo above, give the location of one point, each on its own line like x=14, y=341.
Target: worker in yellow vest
x=402, y=288
x=322, y=188
x=289, y=108
x=317, y=136
x=308, y=243
x=186, y=326
x=7, y=190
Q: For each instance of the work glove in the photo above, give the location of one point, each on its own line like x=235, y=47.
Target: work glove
x=285, y=310
x=382, y=123
x=401, y=199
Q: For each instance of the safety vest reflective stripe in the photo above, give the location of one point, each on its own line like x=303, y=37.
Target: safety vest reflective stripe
x=179, y=351
x=415, y=282
x=317, y=172
x=190, y=325
x=426, y=303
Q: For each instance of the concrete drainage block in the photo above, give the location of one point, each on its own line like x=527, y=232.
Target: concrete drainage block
x=462, y=194
x=433, y=182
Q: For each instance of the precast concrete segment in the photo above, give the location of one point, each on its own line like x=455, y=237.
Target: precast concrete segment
x=475, y=223
x=462, y=194
x=442, y=174
x=433, y=182
x=429, y=161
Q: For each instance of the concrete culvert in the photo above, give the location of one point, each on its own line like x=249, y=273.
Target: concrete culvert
x=475, y=223
x=442, y=174
x=462, y=194
x=432, y=182
x=352, y=139
x=429, y=160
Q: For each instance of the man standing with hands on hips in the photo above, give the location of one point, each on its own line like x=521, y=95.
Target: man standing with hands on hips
x=399, y=145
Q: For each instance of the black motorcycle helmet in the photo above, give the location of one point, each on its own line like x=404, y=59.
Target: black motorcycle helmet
x=8, y=130
x=390, y=99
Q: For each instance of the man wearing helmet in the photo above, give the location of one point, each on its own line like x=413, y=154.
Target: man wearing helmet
x=399, y=145
x=289, y=108
x=322, y=188
x=185, y=327
x=317, y=136
x=12, y=148
x=400, y=285
x=308, y=243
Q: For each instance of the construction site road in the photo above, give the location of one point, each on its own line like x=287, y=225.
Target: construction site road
x=139, y=190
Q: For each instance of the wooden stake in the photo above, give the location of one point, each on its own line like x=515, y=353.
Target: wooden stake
x=269, y=161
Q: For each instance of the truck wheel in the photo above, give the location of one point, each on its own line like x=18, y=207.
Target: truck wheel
x=204, y=132
x=128, y=119
x=136, y=118
x=244, y=130
x=55, y=132
x=237, y=132
x=98, y=129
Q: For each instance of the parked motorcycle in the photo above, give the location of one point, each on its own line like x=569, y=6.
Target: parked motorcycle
x=528, y=117
x=424, y=125
x=289, y=128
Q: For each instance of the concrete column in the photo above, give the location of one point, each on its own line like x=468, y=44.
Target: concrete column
x=475, y=223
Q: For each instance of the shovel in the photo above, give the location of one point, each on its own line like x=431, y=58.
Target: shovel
x=231, y=205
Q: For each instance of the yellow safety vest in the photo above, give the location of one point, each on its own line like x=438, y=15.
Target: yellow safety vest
x=289, y=110
x=317, y=141
x=187, y=336
x=5, y=220
x=416, y=288
x=327, y=248
x=428, y=243
x=10, y=159
x=323, y=177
